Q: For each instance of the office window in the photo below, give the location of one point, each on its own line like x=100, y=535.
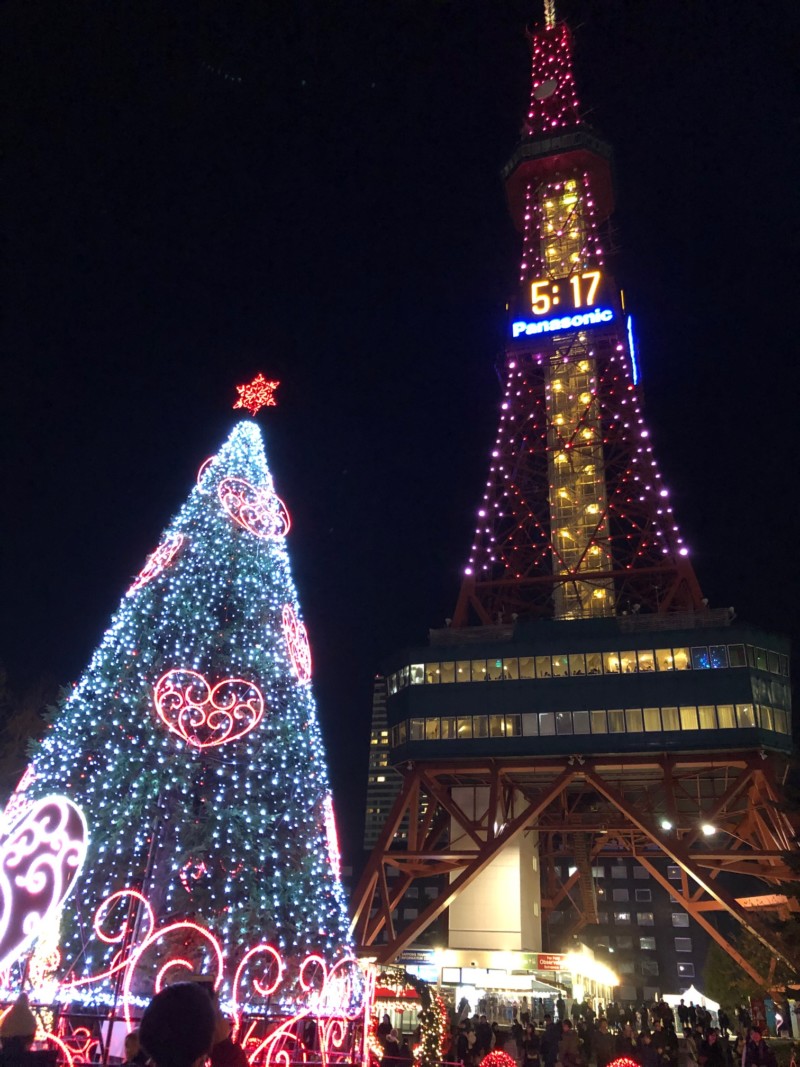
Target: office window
x=619, y=870
x=627, y=662
x=646, y=661
x=700, y=660
x=765, y=717
x=563, y=722
x=688, y=717
x=761, y=659
x=448, y=729
x=598, y=872
x=463, y=670
x=511, y=669
x=547, y=724
x=674, y=873
x=670, y=719
x=683, y=944
x=494, y=670
x=718, y=655
x=417, y=730
x=647, y=944
x=627, y=992
x=616, y=721
x=577, y=664
x=664, y=660
x=530, y=725
x=560, y=667
x=417, y=673
x=725, y=716
x=781, y=721
x=643, y=896
x=497, y=726
x=432, y=673
x=431, y=729
x=634, y=721
x=707, y=717
x=480, y=726
x=580, y=722
x=594, y=663
x=645, y=918
x=686, y=970
x=652, y=720
x=624, y=966
x=649, y=967
x=680, y=918
x=784, y=665
x=745, y=716
x=465, y=726
x=624, y=940
x=478, y=670
x=513, y=726
x=543, y=667
x=526, y=668
x=620, y=896
x=774, y=662
x=447, y=672
x=736, y=656
x=598, y=722
x=640, y=874
x=622, y=918
x=680, y=657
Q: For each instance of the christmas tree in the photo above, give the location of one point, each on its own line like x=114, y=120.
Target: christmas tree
x=191, y=749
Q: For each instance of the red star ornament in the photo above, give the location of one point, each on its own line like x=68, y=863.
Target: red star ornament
x=258, y=394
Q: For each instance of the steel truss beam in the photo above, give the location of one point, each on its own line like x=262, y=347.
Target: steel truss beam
x=617, y=804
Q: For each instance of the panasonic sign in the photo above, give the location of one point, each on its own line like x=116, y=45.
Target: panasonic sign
x=521, y=328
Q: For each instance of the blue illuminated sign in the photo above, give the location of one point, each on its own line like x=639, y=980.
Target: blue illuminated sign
x=522, y=328
x=632, y=350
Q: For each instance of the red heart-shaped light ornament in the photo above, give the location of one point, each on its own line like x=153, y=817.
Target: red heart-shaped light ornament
x=296, y=636
x=258, y=511
x=203, y=715
x=40, y=859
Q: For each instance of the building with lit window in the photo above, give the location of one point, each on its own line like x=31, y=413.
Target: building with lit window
x=383, y=782
x=587, y=726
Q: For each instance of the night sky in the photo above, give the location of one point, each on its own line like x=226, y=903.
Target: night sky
x=201, y=190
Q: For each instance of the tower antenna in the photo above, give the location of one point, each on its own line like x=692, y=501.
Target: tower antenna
x=549, y=13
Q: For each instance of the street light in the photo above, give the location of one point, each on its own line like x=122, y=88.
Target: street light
x=666, y=824
x=708, y=829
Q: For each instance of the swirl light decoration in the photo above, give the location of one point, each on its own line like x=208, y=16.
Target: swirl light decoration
x=158, y=561
x=260, y=512
x=296, y=635
x=40, y=859
x=204, y=716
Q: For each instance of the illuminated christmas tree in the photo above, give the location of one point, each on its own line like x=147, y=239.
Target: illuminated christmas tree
x=192, y=749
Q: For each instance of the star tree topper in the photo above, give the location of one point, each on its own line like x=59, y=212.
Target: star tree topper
x=257, y=394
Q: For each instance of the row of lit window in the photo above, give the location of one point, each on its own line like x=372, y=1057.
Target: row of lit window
x=625, y=918
x=573, y=665
x=599, y=721
x=646, y=944
x=649, y=968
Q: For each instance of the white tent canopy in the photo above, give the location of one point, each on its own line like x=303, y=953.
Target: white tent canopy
x=691, y=996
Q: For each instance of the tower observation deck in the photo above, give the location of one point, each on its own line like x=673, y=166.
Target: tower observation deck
x=584, y=706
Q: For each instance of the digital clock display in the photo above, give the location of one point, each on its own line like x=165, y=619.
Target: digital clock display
x=564, y=304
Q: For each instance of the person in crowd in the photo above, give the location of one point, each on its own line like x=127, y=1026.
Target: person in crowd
x=613, y=1016
x=757, y=1052
x=483, y=1037
x=18, y=1028
x=627, y=1043
x=405, y=1057
x=178, y=1026
x=531, y=1050
x=561, y=1008
x=604, y=1044
x=391, y=1048
x=724, y=1021
x=550, y=1040
x=498, y=1037
x=710, y=1052
x=135, y=1056
x=384, y=1028
x=569, y=1047
x=646, y=1054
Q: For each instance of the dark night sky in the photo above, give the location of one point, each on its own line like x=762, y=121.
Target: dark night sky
x=311, y=187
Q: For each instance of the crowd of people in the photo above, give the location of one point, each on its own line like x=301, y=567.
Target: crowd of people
x=650, y=1036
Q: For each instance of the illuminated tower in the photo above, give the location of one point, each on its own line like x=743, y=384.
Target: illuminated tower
x=587, y=748
x=575, y=520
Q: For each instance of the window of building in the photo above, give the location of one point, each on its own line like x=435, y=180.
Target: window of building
x=627, y=993
x=560, y=666
x=602, y=918
x=640, y=874
x=547, y=724
x=598, y=872
x=624, y=967
x=680, y=918
x=707, y=717
x=494, y=670
x=530, y=725
x=774, y=662
x=480, y=725
x=511, y=669
x=417, y=673
x=513, y=726
x=577, y=664
x=543, y=667
x=580, y=722
x=616, y=721
x=621, y=918
x=643, y=896
x=594, y=663
x=725, y=716
x=563, y=722
x=664, y=660
x=497, y=726
x=431, y=729
x=611, y=663
x=718, y=655
x=761, y=659
x=619, y=870
x=464, y=726
x=669, y=718
x=463, y=671
x=683, y=944
x=647, y=944
x=526, y=668
x=634, y=721
x=688, y=717
x=417, y=730
x=624, y=941
x=432, y=673
x=646, y=660
x=784, y=665
x=478, y=670
x=674, y=873
x=620, y=896
x=745, y=716
x=680, y=657
x=649, y=967
x=781, y=721
x=765, y=717
x=652, y=720
x=447, y=672
x=736, y=656
x=627, y=662
x=598, y=722
x=686, y=970
x=645, y=918
x=700, y=660
x=448, y=729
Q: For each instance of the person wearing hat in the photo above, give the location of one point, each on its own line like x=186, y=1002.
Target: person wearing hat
x=18, y=1027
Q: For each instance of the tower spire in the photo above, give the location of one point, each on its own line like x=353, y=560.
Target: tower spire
x=575, y=519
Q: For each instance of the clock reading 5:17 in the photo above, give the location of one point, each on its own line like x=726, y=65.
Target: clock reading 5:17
x=579, y=291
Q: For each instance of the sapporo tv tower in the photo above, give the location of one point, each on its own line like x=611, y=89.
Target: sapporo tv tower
x=585, y=716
